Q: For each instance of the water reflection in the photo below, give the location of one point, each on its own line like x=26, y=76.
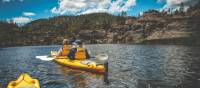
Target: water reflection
x=174, y=68
x=130, y=66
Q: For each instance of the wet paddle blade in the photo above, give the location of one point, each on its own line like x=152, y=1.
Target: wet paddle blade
x=44, y=58
x=102, y=57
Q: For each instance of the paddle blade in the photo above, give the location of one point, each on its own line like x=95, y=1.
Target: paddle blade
x=44, y=58
x=102, y=57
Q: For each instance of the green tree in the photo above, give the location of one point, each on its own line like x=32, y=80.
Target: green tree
x=123, y=13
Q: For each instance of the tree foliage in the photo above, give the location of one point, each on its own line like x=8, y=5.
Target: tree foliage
x=52, y=30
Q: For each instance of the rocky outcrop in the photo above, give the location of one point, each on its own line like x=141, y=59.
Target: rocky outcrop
x=151, y=28
x=155, y=27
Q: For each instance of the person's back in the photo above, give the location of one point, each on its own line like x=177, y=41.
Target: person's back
x=79, y=53
x=65, y=49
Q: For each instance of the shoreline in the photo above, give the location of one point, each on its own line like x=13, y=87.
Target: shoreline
x=42, y=45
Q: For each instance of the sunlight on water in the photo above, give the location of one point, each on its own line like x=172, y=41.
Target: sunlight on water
x=130, y=66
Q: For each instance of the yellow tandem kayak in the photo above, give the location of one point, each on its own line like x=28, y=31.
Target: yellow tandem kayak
x=24, y=81
x=87, y=65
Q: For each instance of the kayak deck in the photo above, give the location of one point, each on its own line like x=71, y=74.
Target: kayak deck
x=87, y=65
x=24, y=81
x=82, y=65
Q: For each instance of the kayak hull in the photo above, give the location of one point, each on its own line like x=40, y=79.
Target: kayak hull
x=24, y=81
x=76, y=64
x=86, y=65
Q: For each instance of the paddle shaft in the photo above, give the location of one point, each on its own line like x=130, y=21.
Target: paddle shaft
x=106, y=81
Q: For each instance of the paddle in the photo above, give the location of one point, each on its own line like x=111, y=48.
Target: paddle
x=45, y=58
x=102, y=57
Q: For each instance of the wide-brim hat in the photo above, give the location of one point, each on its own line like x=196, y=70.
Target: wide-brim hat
x=65, y=41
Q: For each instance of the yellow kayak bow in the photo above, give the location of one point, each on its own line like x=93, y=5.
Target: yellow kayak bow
x=24, y=81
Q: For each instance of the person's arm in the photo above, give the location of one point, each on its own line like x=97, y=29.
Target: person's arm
x=60, y=51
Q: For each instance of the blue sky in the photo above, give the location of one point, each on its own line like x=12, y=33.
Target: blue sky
x=23, y=11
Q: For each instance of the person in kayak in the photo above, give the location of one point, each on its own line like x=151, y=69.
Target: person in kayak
x=64, y=50
x=78, y=53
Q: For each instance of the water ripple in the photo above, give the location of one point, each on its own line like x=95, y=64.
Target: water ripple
x=130, y=66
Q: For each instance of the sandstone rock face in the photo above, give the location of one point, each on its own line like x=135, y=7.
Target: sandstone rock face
x=153, y=27
x=92, y=36
x=176, y=29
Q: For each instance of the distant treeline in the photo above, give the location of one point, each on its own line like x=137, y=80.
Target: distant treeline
x=53, y=30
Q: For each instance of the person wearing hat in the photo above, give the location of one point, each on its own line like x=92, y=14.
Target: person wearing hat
x=79, y=52
x=65, y=49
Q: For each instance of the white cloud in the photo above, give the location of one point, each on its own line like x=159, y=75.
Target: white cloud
x=175, y=4
x=94, y=11
x=28, y=14
x=21, y=20
x=120, y=5
x=6, y=0
x=92, y=6
x=160, y=1
x=12, y=0
x=141, y=13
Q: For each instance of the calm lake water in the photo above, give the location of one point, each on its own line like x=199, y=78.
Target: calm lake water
x=130, y=66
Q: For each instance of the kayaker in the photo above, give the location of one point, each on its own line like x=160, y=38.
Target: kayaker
x=79, y=53
x=64, y=50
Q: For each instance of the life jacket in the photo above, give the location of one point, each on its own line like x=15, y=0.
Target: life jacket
x=80, y=54
x=65, y=50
